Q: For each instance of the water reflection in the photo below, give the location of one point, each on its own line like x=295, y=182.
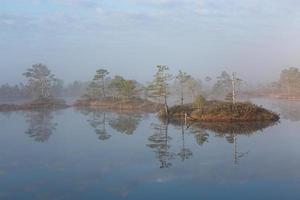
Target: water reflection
x=40, y=125
x=229, y=131
x=185, y=153
x=290, y=110
x=125, y=122
x=159, y=141
x=120, y=122
x=155, y=154
x=224, y=129
x=97, y=120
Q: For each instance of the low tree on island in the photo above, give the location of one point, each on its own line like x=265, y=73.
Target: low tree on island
x=122, y=88
x=40, y=81
x=96, y=89
x=159, y=87
x=227, y=85
x=290, y=81
x=199, y=103
x=99, y=79
x=223, y=85
x=182, y=79
x=194, y=87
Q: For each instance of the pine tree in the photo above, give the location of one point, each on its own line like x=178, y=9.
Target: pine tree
x=159, y=86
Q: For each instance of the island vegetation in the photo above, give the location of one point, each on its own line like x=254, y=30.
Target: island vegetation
x=286, y=87
x=195, y=100
x=221, y=111
x=116, y=93
x=40, y=82
x=228, y=110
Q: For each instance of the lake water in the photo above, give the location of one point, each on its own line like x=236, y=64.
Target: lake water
x=88, y=154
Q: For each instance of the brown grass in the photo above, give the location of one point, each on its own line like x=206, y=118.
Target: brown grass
x=132, y=104
x=46, y=103
x=219, y=111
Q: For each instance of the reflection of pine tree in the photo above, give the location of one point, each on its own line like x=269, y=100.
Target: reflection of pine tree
x=98, y=122
x=184, y=153
x=232, y=139
x=159, y=142
x=125, y=123
x=200, y=134
x=40, y=125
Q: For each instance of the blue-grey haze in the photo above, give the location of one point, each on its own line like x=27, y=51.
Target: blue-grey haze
x=255, y=38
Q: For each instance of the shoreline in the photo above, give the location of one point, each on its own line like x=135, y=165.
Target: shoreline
x=220, y=111
x=212, y=111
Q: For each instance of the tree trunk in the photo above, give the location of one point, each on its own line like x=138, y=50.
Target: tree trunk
x=193, y=96
x=181, y=95
x=166, y=106
x=233, y=81
x=103, y=88
x=42, y=87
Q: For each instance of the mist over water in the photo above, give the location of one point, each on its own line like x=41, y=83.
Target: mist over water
x=149, y=99
x=76, y=154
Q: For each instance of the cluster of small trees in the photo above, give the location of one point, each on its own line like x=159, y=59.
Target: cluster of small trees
x=227, y=86
x=42, y=83
x=40, y=80
x=159, y=89
x=118, y=87
x=9, y=92
x=287, y=85
x=289, y=82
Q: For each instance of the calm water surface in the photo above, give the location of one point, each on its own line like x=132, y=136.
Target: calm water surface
x=89, y=154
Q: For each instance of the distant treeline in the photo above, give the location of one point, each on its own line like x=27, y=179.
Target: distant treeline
x=58, y=89
x=42, y=83
x=286, y=86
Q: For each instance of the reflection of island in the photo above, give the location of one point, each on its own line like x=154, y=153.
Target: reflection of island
x=41, y=125
x=97, y=120
x=201, y=135
x=230, y=131
x=159, y=142
x=121, y=122
x=224, y=128
x=125, y=123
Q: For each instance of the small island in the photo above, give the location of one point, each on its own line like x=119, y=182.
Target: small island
x=116, y=94
x=221, y=111
x=123, y=95
x=118, y=104
x=41, y=83
x=37, y=104
x=228, y=110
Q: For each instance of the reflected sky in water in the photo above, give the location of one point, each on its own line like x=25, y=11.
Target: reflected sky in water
x=93, y=154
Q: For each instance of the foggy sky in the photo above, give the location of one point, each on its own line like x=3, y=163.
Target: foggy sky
x=255, y=38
